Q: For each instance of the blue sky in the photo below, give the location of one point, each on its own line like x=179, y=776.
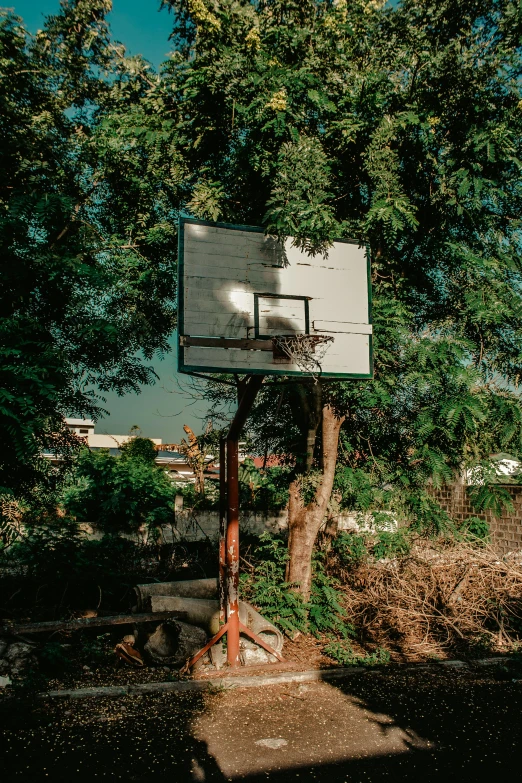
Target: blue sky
x=162, y=409
x=136, y=23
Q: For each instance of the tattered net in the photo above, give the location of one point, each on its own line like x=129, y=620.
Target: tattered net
x=305, y=350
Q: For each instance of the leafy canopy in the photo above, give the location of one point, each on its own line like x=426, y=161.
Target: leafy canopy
x=120, y=493
x=86, y=232
x=403, y=125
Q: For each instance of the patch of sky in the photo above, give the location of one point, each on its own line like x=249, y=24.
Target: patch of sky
x=162, y=409
x=138, y=24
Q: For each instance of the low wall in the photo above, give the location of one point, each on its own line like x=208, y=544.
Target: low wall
x=506, y=531
x=197, y=525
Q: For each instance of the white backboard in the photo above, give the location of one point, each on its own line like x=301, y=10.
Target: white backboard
x=239, y=288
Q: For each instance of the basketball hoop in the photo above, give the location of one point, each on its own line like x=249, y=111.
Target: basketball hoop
x=304, y=350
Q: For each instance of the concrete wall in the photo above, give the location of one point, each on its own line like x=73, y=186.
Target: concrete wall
x=197, y=525
x=506, y=531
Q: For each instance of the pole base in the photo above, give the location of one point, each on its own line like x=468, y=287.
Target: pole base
x=222, y=631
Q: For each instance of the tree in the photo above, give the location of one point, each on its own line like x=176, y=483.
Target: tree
x=121, y=494
x=194, y=450
x=401, y=125
x=87, y=221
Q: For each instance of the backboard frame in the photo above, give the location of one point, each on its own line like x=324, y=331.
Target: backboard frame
x=193, y=369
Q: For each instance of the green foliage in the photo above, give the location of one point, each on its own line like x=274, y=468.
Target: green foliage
x=491, y=497
x=121, y=494
x=352, y=548
x=399, y=124
x=138, y=449
x=266, y=489
x=343, y=653
x=475, y=529
x=86, y=234
x=98, y=649
x=266, y=588
x=54, y=658
x=390, y=545
x=196, y=500
x=54, y=569
x=49, y=543
x=298, y=205
x=325, y=611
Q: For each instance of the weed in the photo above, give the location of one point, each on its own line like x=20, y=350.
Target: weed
x=216, y=689
x=352, y=548
x=475, y=530
x=325, y=613
x=265, y=586
x=391, y=544
x=343, y=653
x=480, y=645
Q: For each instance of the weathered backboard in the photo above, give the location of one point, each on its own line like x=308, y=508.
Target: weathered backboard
x=239, y=288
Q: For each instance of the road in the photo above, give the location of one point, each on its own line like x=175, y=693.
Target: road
x=393, y=724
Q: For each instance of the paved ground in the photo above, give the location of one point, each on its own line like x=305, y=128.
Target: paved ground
x=411, y=725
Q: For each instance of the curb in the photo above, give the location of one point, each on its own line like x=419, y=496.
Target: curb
x=240, y=681
x=225, y=683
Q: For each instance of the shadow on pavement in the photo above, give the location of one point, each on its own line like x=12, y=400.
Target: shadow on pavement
x=461, y=728
x=146, y=738
x=394, y=725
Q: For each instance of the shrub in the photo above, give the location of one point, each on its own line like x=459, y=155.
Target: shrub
x=352, y=548
x=475, y=529
x=343, y=653
x=121, y=494
x=265, y=586
x=390, y=545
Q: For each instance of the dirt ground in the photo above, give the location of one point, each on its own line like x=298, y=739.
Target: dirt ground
x=389, y=724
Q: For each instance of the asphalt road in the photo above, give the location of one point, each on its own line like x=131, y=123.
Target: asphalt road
x=418, y=725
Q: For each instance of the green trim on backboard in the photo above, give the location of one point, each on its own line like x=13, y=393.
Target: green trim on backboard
x=188, y=369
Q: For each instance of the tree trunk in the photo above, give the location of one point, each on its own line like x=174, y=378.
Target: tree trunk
x=312, y=409
x=304, y=522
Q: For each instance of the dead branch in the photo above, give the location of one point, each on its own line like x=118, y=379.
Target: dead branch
x=435, y=598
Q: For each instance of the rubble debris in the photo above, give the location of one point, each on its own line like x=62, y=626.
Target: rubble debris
x=173, y=642
x=189, y=588
x=16, y=658
x=126, y=651
x=436, y=598
x=205, y=614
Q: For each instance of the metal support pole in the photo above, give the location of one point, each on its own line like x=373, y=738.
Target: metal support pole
x=250, y=390
x=229, y=533
x=222, y=529
x=233, y=552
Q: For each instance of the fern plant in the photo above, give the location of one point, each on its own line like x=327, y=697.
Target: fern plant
x=278, y=600
x=266, y=588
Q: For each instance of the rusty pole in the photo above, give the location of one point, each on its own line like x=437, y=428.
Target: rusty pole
x=250, y=390
x=233, y=552
x=222, y=530
x=229, y=533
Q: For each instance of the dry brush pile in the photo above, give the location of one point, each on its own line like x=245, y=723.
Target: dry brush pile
x=437, y=599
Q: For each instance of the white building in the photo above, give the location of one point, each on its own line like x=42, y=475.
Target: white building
x=84, y=428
